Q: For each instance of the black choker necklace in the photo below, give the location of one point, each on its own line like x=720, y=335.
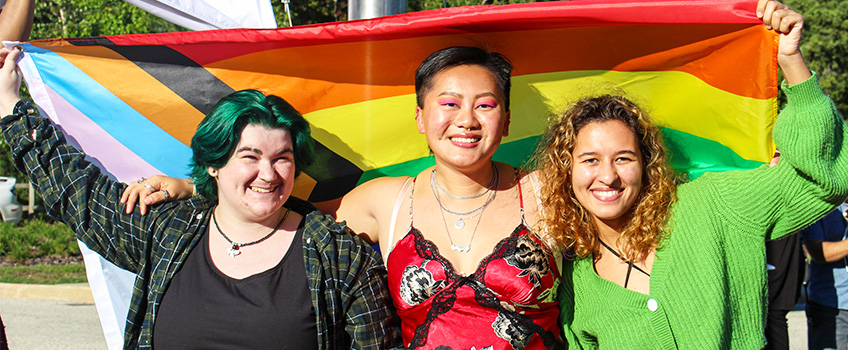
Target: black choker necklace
x=234, y=250
x=630, y=265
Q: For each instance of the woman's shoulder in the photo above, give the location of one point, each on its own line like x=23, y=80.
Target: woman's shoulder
x=388, y=182
x=525, y=175
x=380, y=187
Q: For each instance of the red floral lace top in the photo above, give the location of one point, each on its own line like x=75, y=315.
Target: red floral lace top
x=509, y=302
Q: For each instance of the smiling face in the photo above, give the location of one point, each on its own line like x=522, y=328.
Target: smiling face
x=463, y=116
x=607, y=171
x=259, y=176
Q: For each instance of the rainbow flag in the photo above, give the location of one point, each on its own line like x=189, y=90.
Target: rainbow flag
x=705, y=70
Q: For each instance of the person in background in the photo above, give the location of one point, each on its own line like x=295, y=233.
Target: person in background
x=785, y=270
x=658, y=266
x=826, y=242
x=243, y=265
x=15, y=25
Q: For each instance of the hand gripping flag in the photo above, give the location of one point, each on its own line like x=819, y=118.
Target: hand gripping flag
x=705, y=70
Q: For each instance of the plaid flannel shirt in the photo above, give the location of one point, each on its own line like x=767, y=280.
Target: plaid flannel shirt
x=346, y=277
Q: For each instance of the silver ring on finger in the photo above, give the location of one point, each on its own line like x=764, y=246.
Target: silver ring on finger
x=167, y=195
x=141, y=179
x=149, y=187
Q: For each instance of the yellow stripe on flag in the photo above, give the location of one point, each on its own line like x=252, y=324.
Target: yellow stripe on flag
x=738, y=122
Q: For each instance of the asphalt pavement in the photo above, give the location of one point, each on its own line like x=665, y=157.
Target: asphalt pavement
x=50, y=317
x=64, y=317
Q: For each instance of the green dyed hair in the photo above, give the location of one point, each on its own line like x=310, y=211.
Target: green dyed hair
x=220, y=132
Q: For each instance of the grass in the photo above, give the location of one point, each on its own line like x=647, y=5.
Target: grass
x=43, y=274
x=34, y=239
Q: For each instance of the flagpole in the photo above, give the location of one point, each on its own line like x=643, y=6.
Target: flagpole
x=288, y=11
x=359, y=9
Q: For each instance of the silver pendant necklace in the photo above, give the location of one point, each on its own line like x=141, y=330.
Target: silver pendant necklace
x=456, y=247
x=435, y=180
x=459, y=223
x=234, y=250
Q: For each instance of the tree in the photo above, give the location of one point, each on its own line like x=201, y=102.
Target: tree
x=825, y=45
x=80, y=18
x=310, y=11
x=421, y=5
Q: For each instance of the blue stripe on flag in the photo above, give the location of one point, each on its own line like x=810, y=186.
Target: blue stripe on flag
x=132, y=129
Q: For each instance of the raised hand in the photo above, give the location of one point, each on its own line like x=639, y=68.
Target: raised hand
x=789, y=24
x=10, y=80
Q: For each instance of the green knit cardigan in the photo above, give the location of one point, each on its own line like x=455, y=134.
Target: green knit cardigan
x=708, y=283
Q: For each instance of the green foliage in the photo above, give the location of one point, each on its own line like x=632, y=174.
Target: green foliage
x=322, y=11
x=310, y=12
x=36, y=238
x=43, y=274
x=825, y=45
x=421, y=5
x=82, y=18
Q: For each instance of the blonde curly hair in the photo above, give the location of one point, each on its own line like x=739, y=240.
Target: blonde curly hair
x=565, y=220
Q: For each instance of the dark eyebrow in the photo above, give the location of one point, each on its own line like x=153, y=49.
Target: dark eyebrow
x=584, y=154
x=455, y=94
x=248, y=149
x=487, y=94
x=258, y=151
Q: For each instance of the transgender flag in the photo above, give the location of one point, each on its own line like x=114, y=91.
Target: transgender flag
x=706, y=71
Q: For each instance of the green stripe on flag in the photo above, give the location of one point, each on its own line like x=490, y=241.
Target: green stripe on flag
x=690, y=155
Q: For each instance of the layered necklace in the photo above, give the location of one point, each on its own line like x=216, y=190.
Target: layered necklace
x=460, y=223
x=234, y=250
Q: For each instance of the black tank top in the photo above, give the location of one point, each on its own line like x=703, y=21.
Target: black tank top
x=205, y=309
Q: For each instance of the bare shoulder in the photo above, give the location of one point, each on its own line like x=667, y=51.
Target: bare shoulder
x=380, y=189
x=530, y=179
x=530, y=174
x=362, y=199
x=366, y=205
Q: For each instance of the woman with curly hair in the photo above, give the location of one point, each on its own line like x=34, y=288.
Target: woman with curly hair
x=654, y=266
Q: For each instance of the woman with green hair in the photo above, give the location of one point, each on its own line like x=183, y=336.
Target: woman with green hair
x=244, y=265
